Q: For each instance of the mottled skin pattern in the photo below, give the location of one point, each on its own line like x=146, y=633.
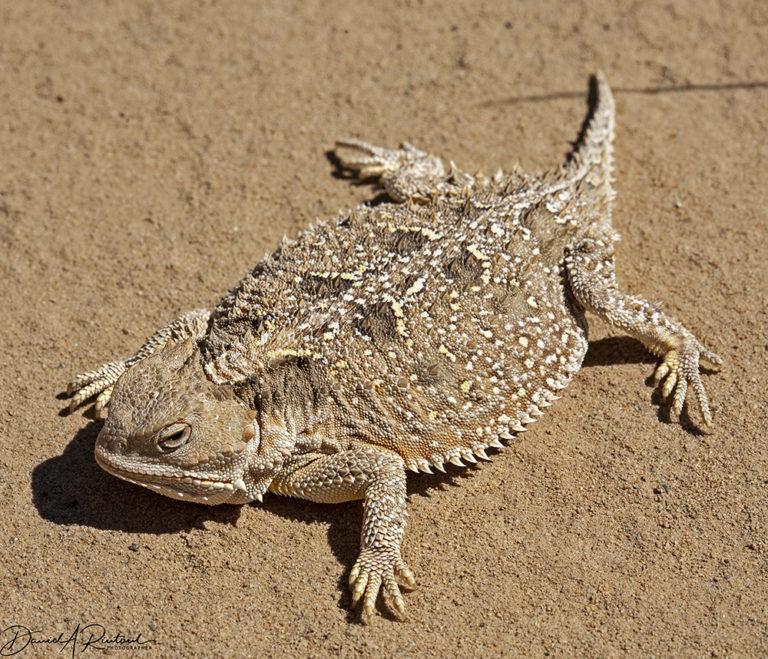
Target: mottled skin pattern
x=393, y=337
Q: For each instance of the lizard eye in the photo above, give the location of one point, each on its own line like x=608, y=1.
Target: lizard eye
x=173, y=437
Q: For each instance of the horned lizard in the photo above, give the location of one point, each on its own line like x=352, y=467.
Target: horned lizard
x=398, y=336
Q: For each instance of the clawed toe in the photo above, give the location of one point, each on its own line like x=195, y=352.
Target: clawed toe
x=406, y=173
x=404, y=575
x=370, y=161
x=377, y=571
x=708, y=356
x=680, y=370
x=92, y=383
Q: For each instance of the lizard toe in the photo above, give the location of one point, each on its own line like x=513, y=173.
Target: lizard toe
x=679, y=371
x=380, y=570
x=92, y=383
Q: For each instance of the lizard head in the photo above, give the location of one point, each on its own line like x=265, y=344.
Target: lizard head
x=174, y=431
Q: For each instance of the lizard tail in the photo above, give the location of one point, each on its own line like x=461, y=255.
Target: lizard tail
x=593, y=149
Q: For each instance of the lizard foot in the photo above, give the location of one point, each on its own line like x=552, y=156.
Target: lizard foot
x=370, y=161
x=91, y=383
x=189, y=325
x=405, y=173
x=377, y=568
x=680, y=369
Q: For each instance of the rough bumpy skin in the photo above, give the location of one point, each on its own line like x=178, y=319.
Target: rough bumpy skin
x=399, y=336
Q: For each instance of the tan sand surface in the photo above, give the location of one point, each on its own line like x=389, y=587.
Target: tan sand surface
x=151, y=152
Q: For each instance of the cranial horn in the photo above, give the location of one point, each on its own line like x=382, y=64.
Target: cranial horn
x=175, y=355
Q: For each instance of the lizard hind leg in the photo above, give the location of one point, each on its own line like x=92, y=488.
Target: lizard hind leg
x=591, y=274
x=405, y=174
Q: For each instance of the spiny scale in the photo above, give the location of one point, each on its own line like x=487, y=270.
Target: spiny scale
x=435, y=328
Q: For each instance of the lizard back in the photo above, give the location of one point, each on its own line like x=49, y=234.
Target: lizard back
x=429, y=329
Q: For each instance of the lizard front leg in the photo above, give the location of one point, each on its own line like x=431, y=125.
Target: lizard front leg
x=376, y=476
x=592, y=278
x=189, y=325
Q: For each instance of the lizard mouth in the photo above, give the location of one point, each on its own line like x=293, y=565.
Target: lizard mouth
x=177, y=486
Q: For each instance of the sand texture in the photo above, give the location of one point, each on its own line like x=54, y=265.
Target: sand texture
x=152, y=152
